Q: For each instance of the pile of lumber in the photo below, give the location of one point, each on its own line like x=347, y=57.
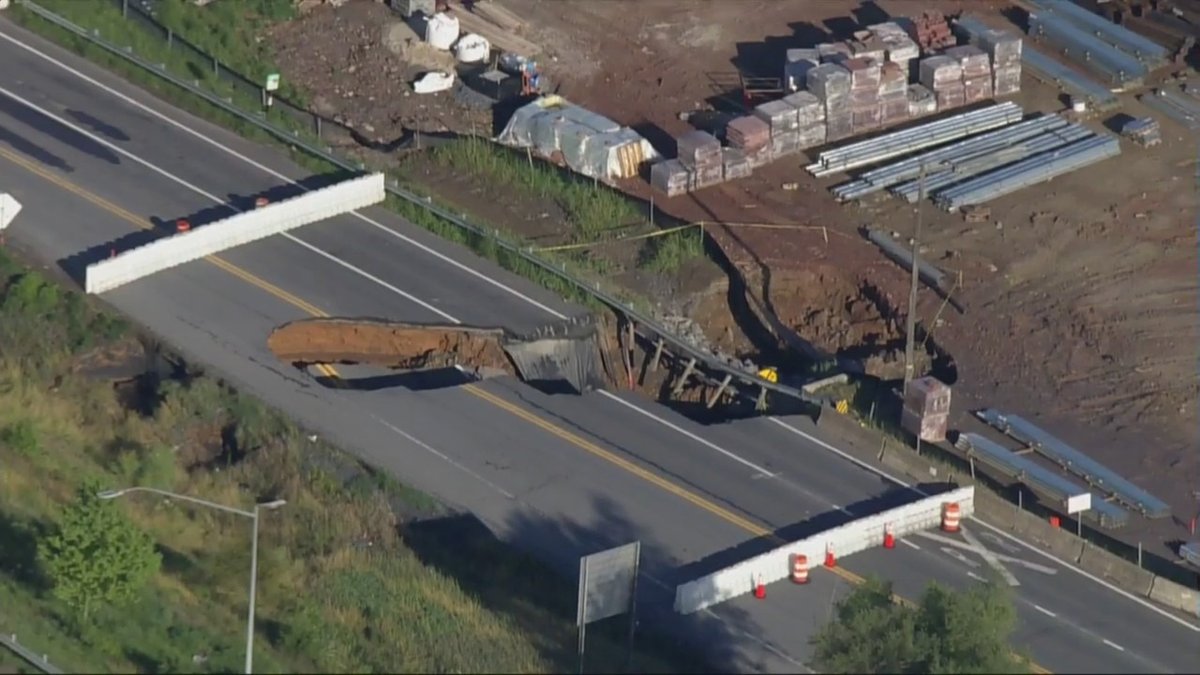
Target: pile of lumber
x=493, y=21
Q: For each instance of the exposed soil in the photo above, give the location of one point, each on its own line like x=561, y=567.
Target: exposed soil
x=388, y=344
x=1081, y=294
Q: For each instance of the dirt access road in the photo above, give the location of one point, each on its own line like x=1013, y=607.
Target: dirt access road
x=1082, y=294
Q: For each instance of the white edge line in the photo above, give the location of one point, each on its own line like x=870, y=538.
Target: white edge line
x=1045, y=611
x=522, y=296
x=271, y=172
x=1112, y=644
x=685, y=432
x=200, y=191
x=909, y=543
x=446, y=458
x=1049, y=556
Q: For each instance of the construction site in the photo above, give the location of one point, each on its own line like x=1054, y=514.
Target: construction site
x=1037, y=156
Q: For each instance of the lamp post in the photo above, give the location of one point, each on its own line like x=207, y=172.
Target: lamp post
x=252, y=515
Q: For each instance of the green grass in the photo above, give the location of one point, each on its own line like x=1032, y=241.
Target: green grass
x=341, y=585
x=594, y=208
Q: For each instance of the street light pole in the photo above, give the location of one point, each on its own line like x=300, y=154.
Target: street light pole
x=252, y=515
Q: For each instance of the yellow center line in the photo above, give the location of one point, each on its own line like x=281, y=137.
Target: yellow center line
x=329, y=371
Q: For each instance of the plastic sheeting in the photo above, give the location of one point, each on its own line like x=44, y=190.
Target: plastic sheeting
x=441, y=31
x=472, y=48
x=590, y=144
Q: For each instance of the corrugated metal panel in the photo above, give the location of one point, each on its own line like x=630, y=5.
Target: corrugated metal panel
x=1110, y=63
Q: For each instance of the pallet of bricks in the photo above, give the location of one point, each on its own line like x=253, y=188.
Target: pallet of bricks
x=699, y=164
x=931, y=31
x=1004, y=50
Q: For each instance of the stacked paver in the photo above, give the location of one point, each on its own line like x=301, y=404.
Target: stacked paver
x=848, y=88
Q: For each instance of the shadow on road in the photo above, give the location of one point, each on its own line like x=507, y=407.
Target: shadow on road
x=97, y=125
x=520, y=586
x=34, y=151
x=54, y=129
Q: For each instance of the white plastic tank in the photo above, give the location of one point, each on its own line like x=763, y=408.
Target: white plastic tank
x=441, y=31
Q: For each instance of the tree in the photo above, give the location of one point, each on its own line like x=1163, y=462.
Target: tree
x=947, y=632
x=97, y=555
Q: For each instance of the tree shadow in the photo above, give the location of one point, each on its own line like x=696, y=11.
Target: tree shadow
x=98, y=125
x=34, y=151
x=54, y=129
x=18, y=552
x=544, y=575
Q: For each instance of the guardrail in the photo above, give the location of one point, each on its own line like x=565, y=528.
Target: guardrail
x=39, y=661
x=725, y=373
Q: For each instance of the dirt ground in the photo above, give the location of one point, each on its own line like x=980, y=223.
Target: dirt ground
x=1081, y=295
x=388, y=344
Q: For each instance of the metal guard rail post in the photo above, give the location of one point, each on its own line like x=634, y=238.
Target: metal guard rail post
x=292, y=138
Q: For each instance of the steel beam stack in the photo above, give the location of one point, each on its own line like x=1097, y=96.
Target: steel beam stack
x=934, y=160
x=1174, y=104
x=1029, y=172
x=1127, y=41
x=1112, y=65
x=917, y=138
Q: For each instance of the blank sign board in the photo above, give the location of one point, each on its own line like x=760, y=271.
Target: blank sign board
x=1080, y=502
x=607, y=582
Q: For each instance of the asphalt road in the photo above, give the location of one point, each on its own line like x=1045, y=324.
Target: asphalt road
x=558, y=475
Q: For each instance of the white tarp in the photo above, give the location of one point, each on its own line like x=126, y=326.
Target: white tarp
x=431, y=83
x=9, y=207
x=591, y=144
x=441, y=31
x=855, y=536
x=242, y=228
x=472, y=48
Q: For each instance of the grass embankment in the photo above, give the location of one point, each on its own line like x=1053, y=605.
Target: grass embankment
x=344, y=585
x=230, y=33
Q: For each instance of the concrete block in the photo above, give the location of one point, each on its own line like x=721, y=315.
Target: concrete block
x=1119, y=571
x=1175, y=596
x=1061, y=543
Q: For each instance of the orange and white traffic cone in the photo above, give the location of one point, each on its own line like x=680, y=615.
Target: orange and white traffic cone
x=889, y=539
x=950, y=516
x=760, y=588
x=830, y=558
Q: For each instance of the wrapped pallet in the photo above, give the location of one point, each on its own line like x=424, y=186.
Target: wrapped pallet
x=950, y=97
x=973, y=61
x=866, y=118
x=748, y=133
x=735, y=163
x=698, y=149
x=671, y=177
x=812, y=135
x=778, y=115
x=795, y=73
x=839, y=124
x=708, y=175
x=921, y=101
x=864, y=74
x=759, y=156
x=939, y=72
x=809, y=109
x=1006, y=80
x=833, y=52
x=803, y=54
x=977, y=89
x=1003, y=47
x=893, y=79
x=785, y=143
x=893, y=108
x=829, y=81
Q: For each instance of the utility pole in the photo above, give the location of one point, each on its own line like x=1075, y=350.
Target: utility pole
x=910, y=338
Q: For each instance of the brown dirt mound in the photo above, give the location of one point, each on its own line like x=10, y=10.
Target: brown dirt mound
x=388, y=344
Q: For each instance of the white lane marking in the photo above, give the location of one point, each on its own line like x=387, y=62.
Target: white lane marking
x=200, y=191
x=976, y=577
x=1045, y=611
x=446, y=458
x=514, y=292
x=989, y=557
x=1044, y=569
x=909, y=543
x=1114, y=645
x=960, y=557
x=685, y=432
x=271, y=172
x=1074, y=568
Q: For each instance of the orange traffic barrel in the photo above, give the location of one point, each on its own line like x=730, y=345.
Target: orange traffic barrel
x=830, y=558
x=182, y=225
x=760, y=588
x=950, y=516
x=800, y=569
x=889, y=539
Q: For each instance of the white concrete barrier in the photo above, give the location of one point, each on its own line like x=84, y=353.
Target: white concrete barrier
x=855, y=536
x=242, y=228
x=9, y=207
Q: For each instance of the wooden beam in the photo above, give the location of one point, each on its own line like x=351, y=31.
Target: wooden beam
x=712, y=400
x=658, y=350
x=683, y=377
